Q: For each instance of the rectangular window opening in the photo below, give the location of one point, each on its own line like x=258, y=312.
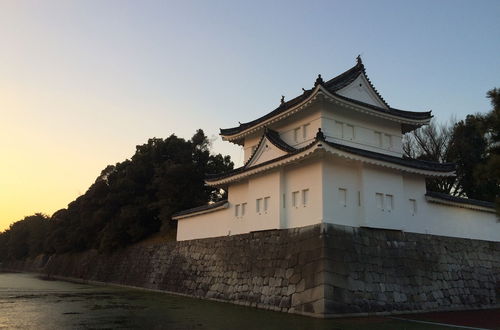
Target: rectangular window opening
x=343, y=197
x=339, y=129
x=295, y=199
x=237, y=210
x=413, y=206
x=305, y=131
x=243, y=208
x=296, y=133
x=258, y=205
x=387, y=141
x=379, y=200
x=284, y=200
x=266, y=203
x=305, y=197
x=378, y=139
x=389, y=202
x=349, y=132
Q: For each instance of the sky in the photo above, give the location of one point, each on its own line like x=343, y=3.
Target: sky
x=83, y=82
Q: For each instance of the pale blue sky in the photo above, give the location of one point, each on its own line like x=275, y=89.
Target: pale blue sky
x=83, y=82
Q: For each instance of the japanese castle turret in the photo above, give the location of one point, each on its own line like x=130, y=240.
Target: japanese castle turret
x=334, y=155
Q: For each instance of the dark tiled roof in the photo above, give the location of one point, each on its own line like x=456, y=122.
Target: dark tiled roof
x=332, y=85
x=409, y=162
x=460, y=200
x=391, y=111
x=244, y=168
x=275, y=139
x=200, y=208
x=283, y=107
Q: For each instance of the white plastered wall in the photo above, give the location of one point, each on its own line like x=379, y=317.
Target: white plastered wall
x=446, y=220
x=365, y=127
x=303, y=176
x=310, y=117
x=342, y=190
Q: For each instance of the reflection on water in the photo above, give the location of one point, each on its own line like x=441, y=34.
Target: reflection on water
x=29, y=302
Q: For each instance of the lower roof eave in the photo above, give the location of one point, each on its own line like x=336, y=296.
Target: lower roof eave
x=320, y=93
x=201, y=210
x=323, y=149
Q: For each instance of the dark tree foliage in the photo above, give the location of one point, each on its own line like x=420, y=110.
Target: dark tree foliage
x=127, y=202
x=432, y=143
x=473, y=144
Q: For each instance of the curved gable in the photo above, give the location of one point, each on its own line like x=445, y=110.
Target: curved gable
x=360, y=90
x=265, y=152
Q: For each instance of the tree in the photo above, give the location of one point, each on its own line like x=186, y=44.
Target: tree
x=473, y=144
x=433, y=143
x=127, y=202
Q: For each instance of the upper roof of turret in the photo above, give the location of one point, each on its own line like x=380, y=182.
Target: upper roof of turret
x=334, y=88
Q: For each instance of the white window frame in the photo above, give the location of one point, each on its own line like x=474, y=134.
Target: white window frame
x=387, y=141
x=339, y=129
x=349, y=129
x=378, y=139
x=305, y=197
x=243, y=209
x=266, y=203
x=379, y=201
x=389, y=202
x=258, y=205
x=305, y=131
x=295, y=198
x=296, y=133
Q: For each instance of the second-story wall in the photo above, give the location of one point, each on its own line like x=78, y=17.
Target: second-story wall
x=346, y=126
x=340, y=125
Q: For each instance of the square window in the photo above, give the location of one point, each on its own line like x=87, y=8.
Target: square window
x=379, y=200
x=258, y=205
x=295, y=199
x=266, y=203
x=389, y=202
x=343, y=196
x=305, y=197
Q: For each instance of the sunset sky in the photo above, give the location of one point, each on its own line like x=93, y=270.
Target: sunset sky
x=83, y=82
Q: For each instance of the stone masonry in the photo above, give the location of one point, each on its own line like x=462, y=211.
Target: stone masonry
x=321, y=270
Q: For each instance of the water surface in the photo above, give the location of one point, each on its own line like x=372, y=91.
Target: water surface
x=30, y=302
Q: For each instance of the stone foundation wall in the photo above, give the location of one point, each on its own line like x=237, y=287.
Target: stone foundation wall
x=262, y=269
x=374, y=270
x=322, y=270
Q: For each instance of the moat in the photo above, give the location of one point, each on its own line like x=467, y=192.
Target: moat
x=31, y=302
